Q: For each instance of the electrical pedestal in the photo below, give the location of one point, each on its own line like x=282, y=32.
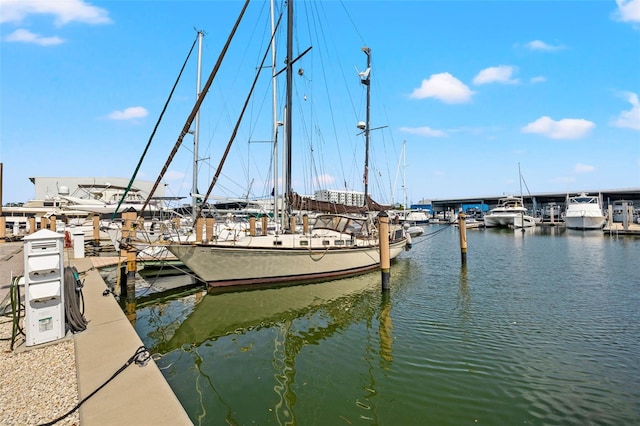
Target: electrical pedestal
x=44, y=287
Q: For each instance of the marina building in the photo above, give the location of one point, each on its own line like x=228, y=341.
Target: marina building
x=349, y=198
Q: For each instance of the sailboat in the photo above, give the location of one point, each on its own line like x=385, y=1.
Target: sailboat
x=338, y=245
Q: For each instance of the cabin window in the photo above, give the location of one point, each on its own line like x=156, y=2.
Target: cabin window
x=326, y=242
x=304, y=243
x=338, y=242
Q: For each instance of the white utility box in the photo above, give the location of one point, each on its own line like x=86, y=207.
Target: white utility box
x=78, y=243
x=44, y=287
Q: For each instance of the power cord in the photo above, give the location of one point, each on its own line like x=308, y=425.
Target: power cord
x=141, y=357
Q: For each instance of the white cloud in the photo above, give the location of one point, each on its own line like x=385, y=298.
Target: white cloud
x=567, y=128
x=25, y=36
x=64, y=11
x=631, y=118
x=541, y=45
x=324, y=180
x=444, y=87
x=129, y=113
x=628, y=11
x=424, y=131
x=583, y=168
x=538, y=79
x=499, y=74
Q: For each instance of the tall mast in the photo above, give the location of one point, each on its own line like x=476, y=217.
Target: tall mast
x=287, y=121
x=196, y=135
x=274, y=92
x=365, y=79
x=404, y=177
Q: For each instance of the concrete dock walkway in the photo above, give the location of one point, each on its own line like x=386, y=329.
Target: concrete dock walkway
x=139, y=395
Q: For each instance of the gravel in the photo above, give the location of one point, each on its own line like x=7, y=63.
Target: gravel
x=38, y=384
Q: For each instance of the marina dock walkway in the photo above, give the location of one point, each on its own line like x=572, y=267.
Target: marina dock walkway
x=139, y=394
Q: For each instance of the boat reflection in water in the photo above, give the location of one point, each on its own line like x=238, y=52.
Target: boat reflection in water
x=234, y=349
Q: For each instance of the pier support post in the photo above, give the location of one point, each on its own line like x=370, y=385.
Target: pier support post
x=625, y=216
x=252, y=226
x=199, y=227
x=292, y=224
x=53, y=222
x=96, y=230
x=3, y=228
x=462, y=225
x=305, y=223
x=385, y=258
x=128, y=251
x=264, y=220
x=210, y=222
x=32, y=225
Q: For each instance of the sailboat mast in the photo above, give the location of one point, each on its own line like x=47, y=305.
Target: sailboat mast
x=287, y=121
x=404, y=177
x=274, y=92
x=367, y=82
x=196, y=135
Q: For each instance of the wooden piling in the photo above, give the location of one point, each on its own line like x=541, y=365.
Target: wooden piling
x=292, y=224
x=96, y=230
x=264, y=224
x=3, y=228
x=32, y=225
x=462, y=225
x=305, y=223
x=385, y=256
x=53, y=223
x=209, y=225
x=129, y=219
x=252, y=226
x=199, y=228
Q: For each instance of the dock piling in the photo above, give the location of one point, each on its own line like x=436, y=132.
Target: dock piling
x=385, y=257
x=462, y=225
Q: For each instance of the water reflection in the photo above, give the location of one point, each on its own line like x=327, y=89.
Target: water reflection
x=206, y=331
x=464, y=298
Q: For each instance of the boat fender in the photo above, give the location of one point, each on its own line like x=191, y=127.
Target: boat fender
x=67, y=240
x=409, y=244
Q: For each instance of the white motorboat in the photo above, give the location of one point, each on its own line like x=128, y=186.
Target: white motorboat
x=584, y=212
x=618, y=210
x=510, y=212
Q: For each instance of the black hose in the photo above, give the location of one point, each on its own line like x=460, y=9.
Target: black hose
x=140, y=357
x=73, y=300
x=15, y=308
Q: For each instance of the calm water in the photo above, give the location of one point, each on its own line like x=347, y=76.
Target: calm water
x=541, y=328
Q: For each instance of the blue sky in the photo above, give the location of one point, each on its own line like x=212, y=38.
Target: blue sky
x=474, y=90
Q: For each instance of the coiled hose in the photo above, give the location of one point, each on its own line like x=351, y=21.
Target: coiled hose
x=74, y=300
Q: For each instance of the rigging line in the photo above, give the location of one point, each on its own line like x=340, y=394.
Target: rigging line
x=235, y=130
x=196, y=107
x=146, y=148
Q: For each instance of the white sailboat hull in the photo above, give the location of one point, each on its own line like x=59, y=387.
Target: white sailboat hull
x=226, y=265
